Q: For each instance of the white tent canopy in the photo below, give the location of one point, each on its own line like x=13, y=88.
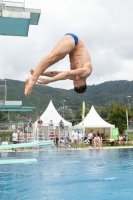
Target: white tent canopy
x=51, y=114
x=93, y=120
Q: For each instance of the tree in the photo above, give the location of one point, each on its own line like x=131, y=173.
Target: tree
x=103, y=112
x=117, y=116
x=78, y=113
x=3, y=117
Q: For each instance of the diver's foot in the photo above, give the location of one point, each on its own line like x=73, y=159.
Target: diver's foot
x=29, y=85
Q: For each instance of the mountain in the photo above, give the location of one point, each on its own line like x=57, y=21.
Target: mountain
x=103, y=94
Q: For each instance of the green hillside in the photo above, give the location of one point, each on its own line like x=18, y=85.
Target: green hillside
x=103, y=94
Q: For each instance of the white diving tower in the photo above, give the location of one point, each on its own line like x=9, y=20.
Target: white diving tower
x=15, y=19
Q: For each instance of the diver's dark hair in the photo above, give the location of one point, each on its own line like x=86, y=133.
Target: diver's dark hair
x=81, y=89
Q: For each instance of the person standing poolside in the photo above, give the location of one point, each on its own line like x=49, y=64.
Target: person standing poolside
x=80, y=65
x=96, y=141
x=15, y=139
x=75, y=136
x=56, y=140
x=90, y=137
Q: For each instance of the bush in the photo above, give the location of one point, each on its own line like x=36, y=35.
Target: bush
x=4, y=134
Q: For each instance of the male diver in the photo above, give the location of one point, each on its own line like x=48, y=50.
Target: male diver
x=80, y=65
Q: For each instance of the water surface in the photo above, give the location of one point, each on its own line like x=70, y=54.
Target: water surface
x=63, y=175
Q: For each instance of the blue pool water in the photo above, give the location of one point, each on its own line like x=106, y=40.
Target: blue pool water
x=63, y=175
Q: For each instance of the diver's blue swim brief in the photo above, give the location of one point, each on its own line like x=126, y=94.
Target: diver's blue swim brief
x=74, y=37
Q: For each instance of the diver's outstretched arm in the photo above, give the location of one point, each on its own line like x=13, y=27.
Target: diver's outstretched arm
x=81, y=72
x=51, y=73
x=61, y=76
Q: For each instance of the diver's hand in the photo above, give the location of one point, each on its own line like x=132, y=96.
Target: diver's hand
x=44, y=80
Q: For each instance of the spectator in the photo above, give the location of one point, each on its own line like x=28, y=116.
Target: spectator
x=25, y=128
x=97, y=141
x=86, y=141
x=61, y=124
x=20, y=137
x=61, y=142
x=15, y=138
x=68, y=142
x=120, y=139
x=56, y=140
x=124, y=138
x=90, y=137
x=75, y=136
x=98, y=133
x=40, y=124
x=51, y=123
x=20, y=125
x=30, y=126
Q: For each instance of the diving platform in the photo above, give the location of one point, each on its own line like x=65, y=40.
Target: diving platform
x=15, y=19
x=11, y=106
x=25, y=145
x=18, y=161
x=15, y=106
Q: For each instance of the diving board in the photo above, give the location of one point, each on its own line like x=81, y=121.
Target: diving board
x=24, y=145
x=17, y=161
x=11, y=106
x=15, y=19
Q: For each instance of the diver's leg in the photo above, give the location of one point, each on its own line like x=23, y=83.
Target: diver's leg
x=64, y=47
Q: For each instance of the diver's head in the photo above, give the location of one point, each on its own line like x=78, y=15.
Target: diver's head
x=79, y=84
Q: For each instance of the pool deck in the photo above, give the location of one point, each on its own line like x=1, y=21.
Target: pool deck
x=64, y=149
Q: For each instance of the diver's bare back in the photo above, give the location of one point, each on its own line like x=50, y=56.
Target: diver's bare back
x=79, y=57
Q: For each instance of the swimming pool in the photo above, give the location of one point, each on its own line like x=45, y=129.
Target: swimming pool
x=63, y=175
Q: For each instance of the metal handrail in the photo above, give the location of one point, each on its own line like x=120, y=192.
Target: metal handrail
x=3, y=3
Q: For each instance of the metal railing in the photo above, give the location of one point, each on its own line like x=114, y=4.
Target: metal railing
x=4, y=4
x=8, y=126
